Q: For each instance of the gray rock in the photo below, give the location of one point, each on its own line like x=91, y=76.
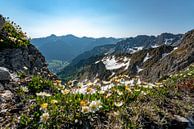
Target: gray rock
x=6, y=96
x=27, y=59
x=2, y=21
x=4, y=74
x=1, y=87
x=181, y=119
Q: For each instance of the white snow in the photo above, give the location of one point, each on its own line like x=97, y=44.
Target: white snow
x=135, y=49
x=168, y=41
x=128, y=63
x=4, y=69
x=113, y=73
x=111, y=63
x=155, y=46
x=97, y=62
x=175, y=48
x=138, y=69
x=139, y=48
x=125, y=59
x=110, y=51
x=146, y=57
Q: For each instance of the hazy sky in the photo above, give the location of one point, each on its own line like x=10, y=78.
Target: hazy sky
x=97, y=18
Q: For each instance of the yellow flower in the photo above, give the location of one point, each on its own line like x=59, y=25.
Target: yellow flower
x=127, y=88
x=85, y=109
x=44, y=106
x=89, y=89
x=108, y=95
x=65, y=91
x=44, y=118
x=89, y=83
x=83, y=103
x=119, y=92
x=53, y=101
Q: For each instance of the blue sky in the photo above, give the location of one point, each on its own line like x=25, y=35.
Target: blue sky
x=100, y=18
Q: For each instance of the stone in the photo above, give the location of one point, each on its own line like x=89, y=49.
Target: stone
x=4, y=74
x=6, y=95
x=1, y=87
x=181, y=119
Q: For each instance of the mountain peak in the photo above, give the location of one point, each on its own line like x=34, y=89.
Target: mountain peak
x=52, y=35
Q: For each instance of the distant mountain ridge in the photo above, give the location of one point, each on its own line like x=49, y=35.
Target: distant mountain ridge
x=131, y=45
x=132, y=56
x=67, y=47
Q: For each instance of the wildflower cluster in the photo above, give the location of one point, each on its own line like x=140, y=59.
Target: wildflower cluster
x=12, y=36
x=75, y=101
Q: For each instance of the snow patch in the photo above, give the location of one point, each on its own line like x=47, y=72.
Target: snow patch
x=128, y=63
x=97, y=62
x=138, y=69
x=155, y=46
x=147, y=57
x=111, y=63
x=175, y=48
x=135, y=49
x=168, y=41
x=4, y=69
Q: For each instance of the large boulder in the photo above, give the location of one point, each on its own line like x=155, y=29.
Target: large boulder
x=26, y=58
x=4, y=74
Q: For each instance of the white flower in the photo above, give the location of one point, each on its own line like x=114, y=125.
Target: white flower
x=65, y=92
x=44, y=118
x=143, y=93
x=101, y=92
x=53, y=101
x=119, y=92
x=95, y=105
x=85, y=109
x=43, y=94
x=24, y=89
x=118, y=104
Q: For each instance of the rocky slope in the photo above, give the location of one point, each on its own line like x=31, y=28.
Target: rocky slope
x=131, y=45
x=151, y=63
x=17, y=58
x=177, y=60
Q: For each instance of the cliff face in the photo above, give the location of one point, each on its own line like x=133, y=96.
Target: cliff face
x=16, y=54
x=23, y=58
x=177, y=60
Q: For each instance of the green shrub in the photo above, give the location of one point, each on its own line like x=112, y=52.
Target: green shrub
x=11, y=36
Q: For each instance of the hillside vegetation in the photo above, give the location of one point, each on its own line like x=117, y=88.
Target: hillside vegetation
x=121, y=103
x=12, y=36
x=31, y=97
